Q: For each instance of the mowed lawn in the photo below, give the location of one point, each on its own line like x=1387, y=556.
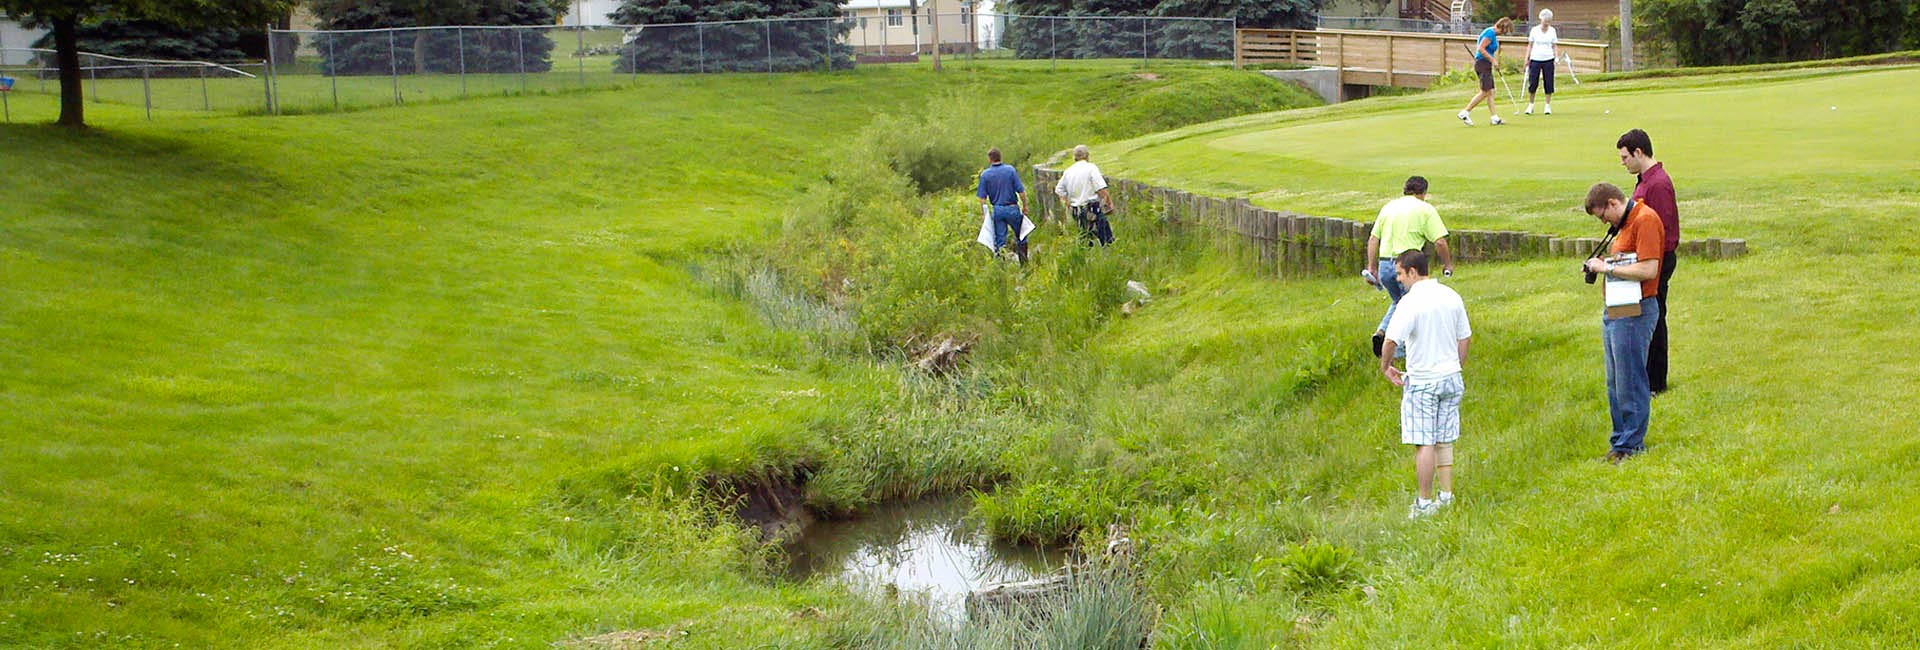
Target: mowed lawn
x=1774, y=507
x=429, y=376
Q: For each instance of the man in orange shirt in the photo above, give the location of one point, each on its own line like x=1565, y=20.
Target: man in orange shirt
x=1627, y=330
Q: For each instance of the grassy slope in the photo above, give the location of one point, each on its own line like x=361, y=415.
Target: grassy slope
x=383, y=378
x=1789, y=378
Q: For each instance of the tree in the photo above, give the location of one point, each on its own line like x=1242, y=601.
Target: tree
x=1726, y=32
x=65, y=17
x=430, y=50
x=152, y=39
x=747, y=46
x=1085, y=29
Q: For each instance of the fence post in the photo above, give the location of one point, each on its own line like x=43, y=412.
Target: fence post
x=580, y=48
x=769, y=26
x=146, y=90
x=633, y=56
x=333, y=71
x=271, y=109
x=934, y=18
x=830, y=29
x=1238, y=61
x=700, y=34
x=1390, y=58
x=1053, y=43
x=266, y=83
x=520, y=55
x=460, y=41
x=206, y=102
x=1143, y=41
x=393, y=66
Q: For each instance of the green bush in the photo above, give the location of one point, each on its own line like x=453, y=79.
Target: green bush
x=1318, y=568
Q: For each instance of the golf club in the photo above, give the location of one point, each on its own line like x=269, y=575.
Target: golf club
x=1570, y=73
x=1497, y=75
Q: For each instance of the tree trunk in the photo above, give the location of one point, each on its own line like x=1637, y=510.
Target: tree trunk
x=420, y=51
x=66, y=46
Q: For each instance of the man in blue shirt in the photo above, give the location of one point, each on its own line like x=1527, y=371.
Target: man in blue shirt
x=1484, y=50
x=1001, y=189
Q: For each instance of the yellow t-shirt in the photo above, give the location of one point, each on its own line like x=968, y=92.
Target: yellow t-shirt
x=1405, y=224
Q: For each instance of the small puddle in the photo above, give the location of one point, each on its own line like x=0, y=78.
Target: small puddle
x=924, y=547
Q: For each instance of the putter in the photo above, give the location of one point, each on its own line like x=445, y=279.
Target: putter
x=1496, y=75
x=1570, y=72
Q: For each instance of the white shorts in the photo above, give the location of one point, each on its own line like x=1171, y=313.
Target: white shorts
x=1430, y=412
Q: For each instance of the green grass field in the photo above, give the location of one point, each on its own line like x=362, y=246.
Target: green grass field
x=438, y=376
x=444, y=375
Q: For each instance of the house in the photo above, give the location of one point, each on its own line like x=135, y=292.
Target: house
x=903, y=27
x=1589, y=14
x=14, y=41
x=590, y=13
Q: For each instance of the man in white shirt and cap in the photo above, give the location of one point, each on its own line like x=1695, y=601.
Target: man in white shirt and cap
x=1085, y=192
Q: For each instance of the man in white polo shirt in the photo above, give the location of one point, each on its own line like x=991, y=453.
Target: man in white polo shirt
x=1431, y=324
x=1085, y=191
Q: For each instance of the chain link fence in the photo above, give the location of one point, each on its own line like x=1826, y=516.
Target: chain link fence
x=155, y=85
x=323, y=70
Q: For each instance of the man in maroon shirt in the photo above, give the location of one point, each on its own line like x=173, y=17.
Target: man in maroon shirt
x=1655, y=190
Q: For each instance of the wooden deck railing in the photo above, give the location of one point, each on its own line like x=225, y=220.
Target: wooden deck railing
x=1375, y=58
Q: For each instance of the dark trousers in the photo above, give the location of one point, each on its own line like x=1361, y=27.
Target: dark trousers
x=1657, y=351
x=1094, y=227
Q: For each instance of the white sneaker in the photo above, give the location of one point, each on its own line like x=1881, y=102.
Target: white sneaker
x=1464, y=117
x=1529, y=110
x=1444, y=499
x=1549, y=109
x=1422, y=508
x=1496, y=121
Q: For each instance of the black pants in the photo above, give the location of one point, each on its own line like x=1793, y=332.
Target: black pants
x=1657, y=352
x=1094, y=227
x=1538, y=71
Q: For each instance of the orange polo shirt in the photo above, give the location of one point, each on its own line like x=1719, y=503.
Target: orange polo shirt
x=1643, y=235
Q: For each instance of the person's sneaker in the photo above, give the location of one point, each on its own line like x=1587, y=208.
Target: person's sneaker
x=1496, y=121
x=1616, y=457
x=1464, y=117
x=1444, y=499
x=1549, y=109
x=1422, y=508
x=1529, y=110
x=1379, y=342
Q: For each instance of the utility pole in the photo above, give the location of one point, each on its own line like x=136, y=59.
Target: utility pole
x=1626, y=35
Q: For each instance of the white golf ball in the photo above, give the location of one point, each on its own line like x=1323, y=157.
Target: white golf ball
x=1833, y=108
x=1608, y=111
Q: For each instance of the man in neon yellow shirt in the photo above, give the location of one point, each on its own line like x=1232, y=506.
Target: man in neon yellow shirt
x=1405, y=224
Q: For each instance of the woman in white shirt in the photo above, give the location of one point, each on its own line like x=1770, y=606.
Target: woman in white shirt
x=1541, y=52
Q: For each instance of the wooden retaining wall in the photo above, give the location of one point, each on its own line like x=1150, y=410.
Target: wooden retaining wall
x=1291, y=244
x=1377, y=58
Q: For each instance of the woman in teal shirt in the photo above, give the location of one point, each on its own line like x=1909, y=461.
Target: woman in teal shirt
x=1483, y=52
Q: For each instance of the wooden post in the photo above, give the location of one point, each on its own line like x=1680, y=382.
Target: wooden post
x=1389, y=58
x=1340, y=60
x=935, y=12
x=1239, y=49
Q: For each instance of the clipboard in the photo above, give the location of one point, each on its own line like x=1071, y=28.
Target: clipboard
x=1622, y=295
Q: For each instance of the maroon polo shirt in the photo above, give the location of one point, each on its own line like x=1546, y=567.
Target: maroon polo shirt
x=1655, y=190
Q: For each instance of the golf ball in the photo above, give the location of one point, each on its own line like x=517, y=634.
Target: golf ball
x=1833, y=108
x=1608, y=111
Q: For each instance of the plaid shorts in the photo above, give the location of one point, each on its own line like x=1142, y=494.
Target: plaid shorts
x=1430, y=412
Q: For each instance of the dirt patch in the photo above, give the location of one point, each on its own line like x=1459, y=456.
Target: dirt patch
x=625, y=640
x=1146, y=76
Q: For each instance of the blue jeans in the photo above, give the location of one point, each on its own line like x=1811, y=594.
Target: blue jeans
x=1394, y=291
x=1006, y=218
x=1629, y=399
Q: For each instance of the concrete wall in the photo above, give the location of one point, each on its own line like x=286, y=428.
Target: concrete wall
x=1290, y=244
x=1322, y=81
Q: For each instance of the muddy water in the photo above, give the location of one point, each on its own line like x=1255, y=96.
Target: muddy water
x=925, y=548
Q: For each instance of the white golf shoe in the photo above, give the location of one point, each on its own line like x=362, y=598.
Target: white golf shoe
x=1529, y=110
x=1422, y=508
x=1496, y=121
x=1464, y=117
x=1549, y=109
